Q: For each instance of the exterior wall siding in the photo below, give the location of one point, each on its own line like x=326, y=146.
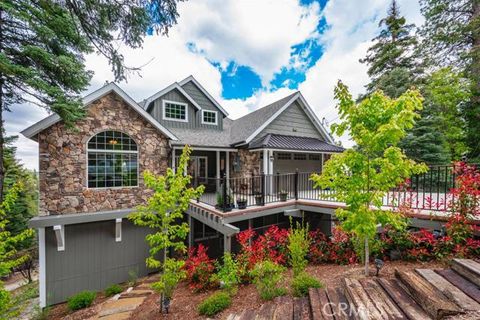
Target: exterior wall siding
x=63, y=160
x=293, y=122
x=92, y=259
x=194, y=115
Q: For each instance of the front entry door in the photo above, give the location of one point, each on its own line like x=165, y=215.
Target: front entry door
x=198, y=169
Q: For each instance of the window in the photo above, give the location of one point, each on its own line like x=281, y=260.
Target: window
x=284, y=156
x=175, y=111
x=299, y=156
x=315, y=157
x=209, y=117
x=112, y=160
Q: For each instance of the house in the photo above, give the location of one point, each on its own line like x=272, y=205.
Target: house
x=91, y=178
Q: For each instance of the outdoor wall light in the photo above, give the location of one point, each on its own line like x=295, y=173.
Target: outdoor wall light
x=379, y=265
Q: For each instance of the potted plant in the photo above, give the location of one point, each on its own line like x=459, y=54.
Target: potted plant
x=229, y=205
x=283, y=195
x=258, y=199
x=219, y=204
x=241, y=203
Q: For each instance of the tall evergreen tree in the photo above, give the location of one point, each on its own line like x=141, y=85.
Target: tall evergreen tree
x=452, y=37
x=392, y=64
x=43, y=44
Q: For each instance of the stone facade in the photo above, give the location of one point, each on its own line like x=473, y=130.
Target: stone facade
x=63, y=164
x=250, y=163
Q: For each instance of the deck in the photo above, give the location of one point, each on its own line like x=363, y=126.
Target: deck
x=419, y=294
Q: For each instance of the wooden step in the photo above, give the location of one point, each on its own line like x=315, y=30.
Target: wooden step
x=320, y=306
x=428, y=297
x=468, y=269
x=284, y=309
x=247, y=315
x=470, y=289
x=363, y=306
x=449, y=290
x=408, y=306
x=339, y=304
x=301, y=309
x=388, y=309
x=266, y=311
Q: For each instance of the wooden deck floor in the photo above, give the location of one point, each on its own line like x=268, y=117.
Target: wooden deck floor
x=416, y=295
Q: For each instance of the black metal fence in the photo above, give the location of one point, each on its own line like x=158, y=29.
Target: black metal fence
x=430, y=190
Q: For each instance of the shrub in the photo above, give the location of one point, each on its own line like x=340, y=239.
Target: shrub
x=199, y=268
x=215, y=303
x=113, y=290
x=301, y=284
x=227, y=274
x=298, y=243
x=267, y=275
x=132, y=277
x=172, y=274
x=81, y=300
x=339, y=248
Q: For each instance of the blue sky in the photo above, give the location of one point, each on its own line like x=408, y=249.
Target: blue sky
x=247, y=54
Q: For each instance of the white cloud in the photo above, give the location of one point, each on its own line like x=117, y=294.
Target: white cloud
x=258, y=34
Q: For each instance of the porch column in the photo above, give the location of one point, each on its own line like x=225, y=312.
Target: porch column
x=227, y=164
x=265, y=161
x=321, y=168
x=270, y=161
x=227, y=243
x=218, y=169
x=173, y=160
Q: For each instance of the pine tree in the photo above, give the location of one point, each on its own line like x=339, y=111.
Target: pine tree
x=43, y=44
x=452, y=38
x=393, y=67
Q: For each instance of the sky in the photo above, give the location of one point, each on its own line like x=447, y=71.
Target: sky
x=247, y=54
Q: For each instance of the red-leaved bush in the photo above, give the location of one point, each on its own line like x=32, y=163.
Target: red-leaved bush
x=337, y=249
x=199, y=268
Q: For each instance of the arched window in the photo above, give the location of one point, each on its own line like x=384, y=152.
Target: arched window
x=112, y=160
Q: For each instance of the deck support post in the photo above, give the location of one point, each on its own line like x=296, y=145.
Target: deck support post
x=190, y=231
x=227, y=243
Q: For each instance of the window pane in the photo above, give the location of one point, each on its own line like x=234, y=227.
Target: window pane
x=175, y=111
x=209, y=117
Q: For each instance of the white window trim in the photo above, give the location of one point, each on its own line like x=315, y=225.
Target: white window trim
x=164, y=117
x=210, y=123
x=111, y=151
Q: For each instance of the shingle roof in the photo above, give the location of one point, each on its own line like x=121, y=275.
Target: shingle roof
x=204, y=137
x=276, y=141
x=243, y=127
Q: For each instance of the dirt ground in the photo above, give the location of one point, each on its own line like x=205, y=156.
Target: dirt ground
x=184, y=303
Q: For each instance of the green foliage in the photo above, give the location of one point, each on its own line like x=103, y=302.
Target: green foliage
x=113, y=290
x=132, y=277
x=302, y=282
x=266, y=276
x=392, y=66
x=298, y=244
x=163, y=213
x=83, y=299
x=228, y=273
x=214, y=304
x=362, y=176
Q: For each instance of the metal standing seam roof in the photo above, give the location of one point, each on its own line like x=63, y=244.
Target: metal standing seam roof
x=276, y=141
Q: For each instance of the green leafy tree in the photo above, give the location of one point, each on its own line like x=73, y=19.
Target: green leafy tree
x=43, y=45
x=393, y=67
x=9, y=257
x=163, y=212
x=451, y=36
x=298, y=244
x=362, y=176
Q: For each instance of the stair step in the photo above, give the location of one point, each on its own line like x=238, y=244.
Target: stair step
x=284, y=308
x=357, y=297
x=471, y=289
x=247, y=315
x=468, y=269
x=381, y=300
x=408, y=306
x=301, y=309
x=266, y=311
x=319, y=304
x=339, y=304
x=449, y=290
x=427, y=296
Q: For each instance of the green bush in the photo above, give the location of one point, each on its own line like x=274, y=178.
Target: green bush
x=215, y=303
x=81, y=300
x=302, y=282
x=228, y=273
x=113, y=290
x=266, y=276
x=298, y=244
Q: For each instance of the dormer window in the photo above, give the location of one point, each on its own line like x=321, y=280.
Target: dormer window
x=175, y=111
x=209, y=117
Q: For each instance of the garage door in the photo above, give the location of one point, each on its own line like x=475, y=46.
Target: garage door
x=289, y=162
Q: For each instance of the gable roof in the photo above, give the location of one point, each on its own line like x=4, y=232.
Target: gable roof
x=165, y=90
x=247, y=128
x=284, y=142
x=205, y=92
x=34, y=129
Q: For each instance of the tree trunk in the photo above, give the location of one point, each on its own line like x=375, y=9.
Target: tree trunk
x=367, y=273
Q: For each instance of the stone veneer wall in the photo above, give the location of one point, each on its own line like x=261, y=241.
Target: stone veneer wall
x=63, y=164
x=251, y=163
